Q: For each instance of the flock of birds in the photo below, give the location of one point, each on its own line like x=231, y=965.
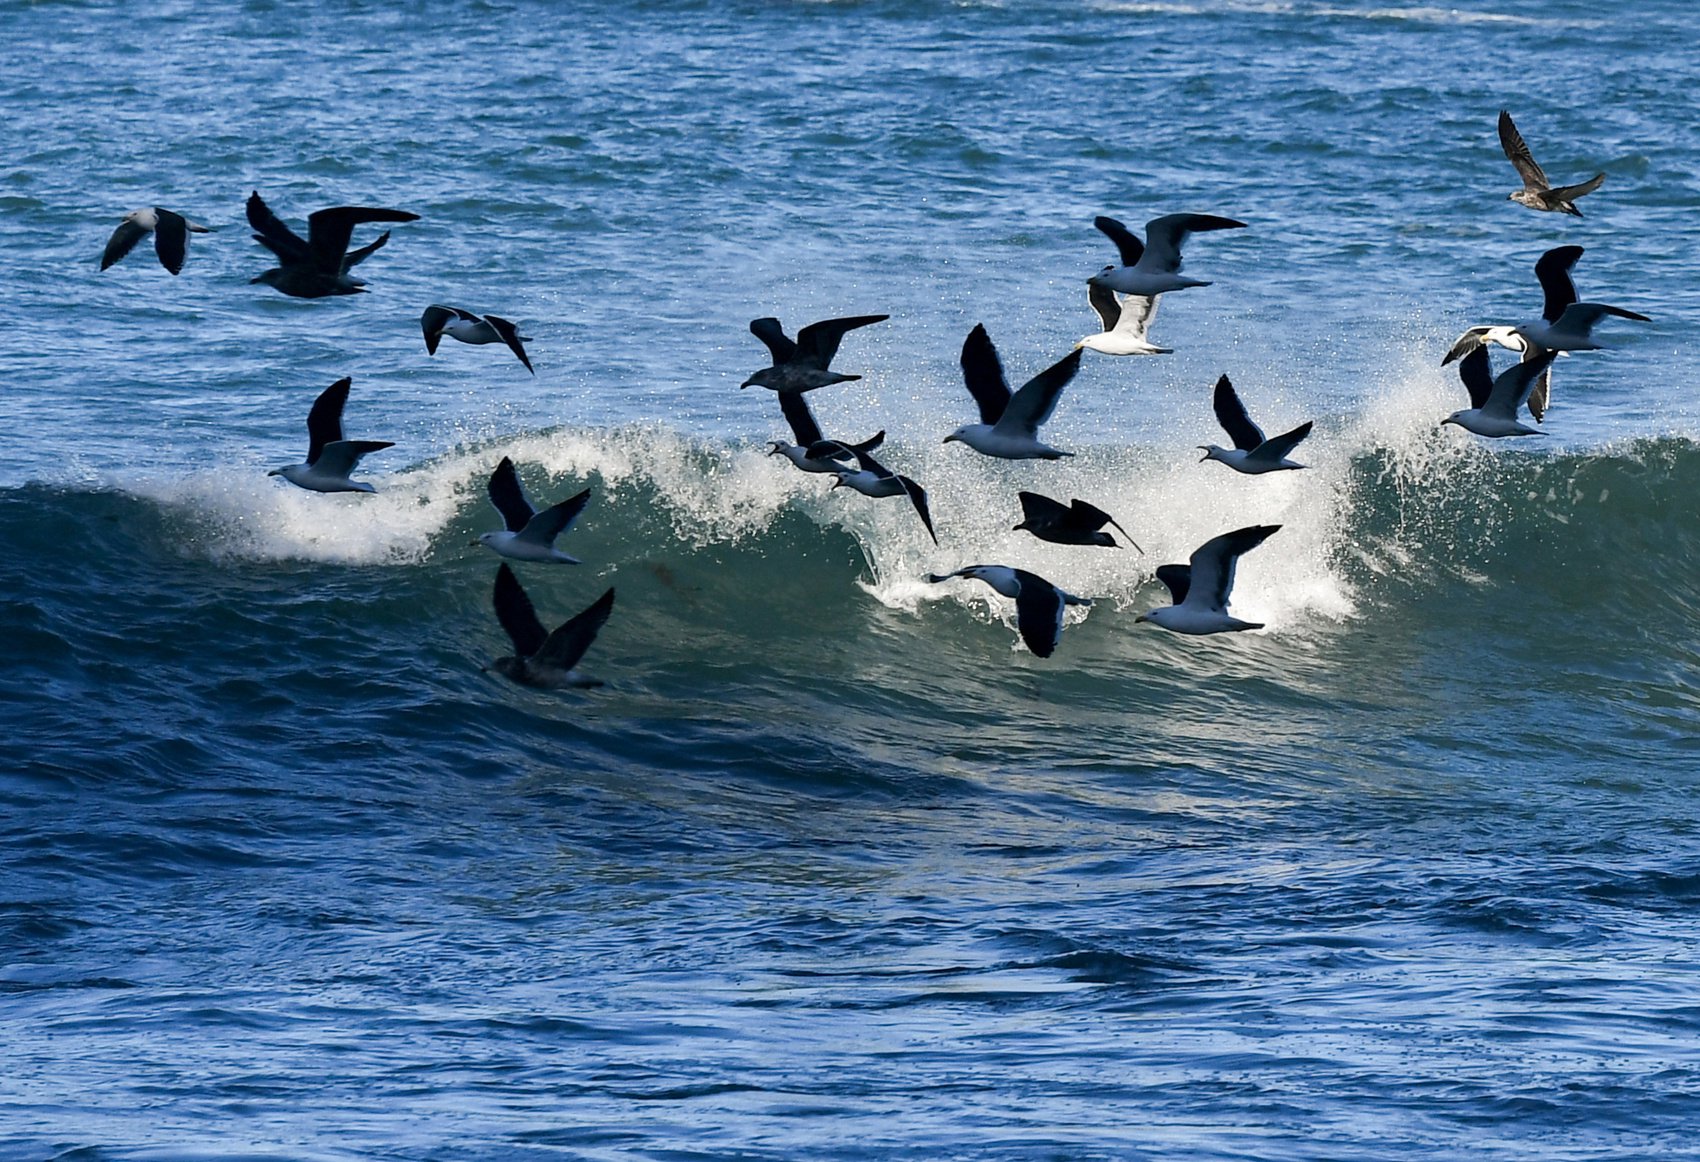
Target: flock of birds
x=1123, y=295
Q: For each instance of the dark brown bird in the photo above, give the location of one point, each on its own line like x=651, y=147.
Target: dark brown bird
x=317, y=267
x=1538, y=193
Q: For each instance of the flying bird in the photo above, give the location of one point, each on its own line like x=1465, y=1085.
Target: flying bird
x=1039, y=605
x=1125, y=321
x=1009, y=423
x=467, y=327
x=1153, y=267
x=871, y=478
x=1495, y=400
x=802, y=366
x=1199, y=590
x=330, y=458
x=1075, y=523
x=1538, y=193
x=170, y=236
x=530, y=534
x=1251, y=453
x=317, y=267
x=811, y=452
x=542, y=659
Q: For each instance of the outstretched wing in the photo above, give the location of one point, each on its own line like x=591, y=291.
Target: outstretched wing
x=1571, y=193
x=1137, y=313
x=1092, y=518
x=1558, y=289
x=1512, y=387
x=508, y=495
x=804, y=431
x=329, y=231
x=271, y=233
x=1214, y=563
x=818, y=342
x=123, y=241
x=1037, y=509
x=1038, y=613
x=1476, y=371
x=982, y=371
x=1231, y=414
x=432, y=323
x=917, y=497
x=324, y=419
x=515, y=612
x=1178, y=578
x=170, y=239
x=356, y=257
x=772, y=334
x=1534, y=178
x=510, y=336
x=554, y=520
x=1127, y=243
x=339, y=457
x=1103, y=300
x=1033, y=404
x=1275, y=448
x=1163, y=238
x=567, y=644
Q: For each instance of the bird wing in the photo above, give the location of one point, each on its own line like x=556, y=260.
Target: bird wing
x=1163, y=238
x=1038, y=613
x=273, y=234
x=1137, y=313
x=554, y=520
x=1031, y=406
x=1582, y=316
x=432, y=323
x=339, y=457
x=356, y=257
x=1541, y=394
x=1231, y=414
x=1104, y=301
x=510, y=336
x=804, y=430
x=1178, y=578
x=1214, y=563
x=1092, y=518
x=1571, y=193
x=982, y=371
x=918, y=498
x=514, y=610
x=1534, y=178
x=508, y=495
x=818, y=342
x=1467, y=342
x=1558, y=289
x=868, y=464
x=123, y=241
x=1037, y=509
x=1476, y=372
x=1512, y=386
x=773, y=335
x=1275, y=448
x=170, y=239
x=324, y=419
x=869, y=444
x=328, y=231
x=571, y=638
x=1127, y=243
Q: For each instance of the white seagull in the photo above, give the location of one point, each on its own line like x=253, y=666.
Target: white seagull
x=1200, y=589
x=540, y=658
x=1125, y=322
x=330, y=458
x=1038, y=604
x=170, y=236
x=812, y=452
x=1494, y=401
x=871, y=478
x=530, y=534
x=1153, y=268
x=802, y=366
x=467, y=327
x=1009, y=427
x=1251, y=453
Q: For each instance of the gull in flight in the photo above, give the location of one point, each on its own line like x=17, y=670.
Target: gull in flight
x=1495, y=401
x=802, y=366
x=467, y=327
x=1538, y=193
x=317, y=267
x=170, y=236
x=1199, y=590
x=1125, y=322
x=540, y=658
x=871, y=478
x=1038, y=604
x=1153, y=267
x=1009, y=423
x=1075, y=523
x=1251, y=453
x=330, y=458
x=530, y=534
x=811, y=452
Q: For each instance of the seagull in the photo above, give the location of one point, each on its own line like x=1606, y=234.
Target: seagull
x=811, y=452
x=1038, y=604
x=1494, y=401
x=802, y=366
x=1199, y=590
x=1537, y=192
x=1560, y=329
x=1075, y=523
x=170, y=236
x=318, y=267
x=330, y=458
x=1009, y=427
x=530, y=534
x=872, y=478
x=544, y=659
x=1125, y=322
x=1153, y=268
x=1251, y=453
x=470, y=328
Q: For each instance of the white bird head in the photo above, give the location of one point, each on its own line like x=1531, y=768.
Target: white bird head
x=956, y=436
x=1211, y=452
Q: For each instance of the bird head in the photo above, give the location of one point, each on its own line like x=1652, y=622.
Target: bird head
x=1098, y=279
x=776, y=447
x=759, y=379
x=1211, y=452
x=956, y=436
x=1452, y=419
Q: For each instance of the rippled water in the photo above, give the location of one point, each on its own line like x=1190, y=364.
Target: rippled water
x=832, y=867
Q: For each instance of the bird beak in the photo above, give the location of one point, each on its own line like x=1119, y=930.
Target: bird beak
x=773, y=449
x=275, y=472
x=948, y=439
x=836, y=481
x=1140, y=618
x=1205, y=448
x=1078, y=345
x=746, y=383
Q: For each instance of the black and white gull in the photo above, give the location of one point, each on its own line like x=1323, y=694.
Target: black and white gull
x=467, y=327
x=1126, y=321
x=1009, y=423
x=812, y=452
x=170, y=236
x=540, y=658
x=1200, y=589
x=871, y=478
x=1154, y=266
x=803, y=365
x=1252, y=453
x=530, y=534
x=1075, y=523
x=1496, y=400
x=1538, y=193
x=318, y=266
x=1039, y=604
x=330, y=458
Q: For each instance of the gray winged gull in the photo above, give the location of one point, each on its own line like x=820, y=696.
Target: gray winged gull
x=530, y=534
x=1495, y=400
x=330, y=458
x=812, y=452
x=1251, y=453
x=1038, y=603
x=170, y=236
x=1153, y=267
x=467, y=327
x=1200, y=589
x=1125, y=322
x=802, y=366
x=1009, y=423
x=541, y=658
x=871, y=478
x=317, y=267
x=1538, y=193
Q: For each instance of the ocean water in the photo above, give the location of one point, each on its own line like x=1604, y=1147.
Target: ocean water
x=831, y=867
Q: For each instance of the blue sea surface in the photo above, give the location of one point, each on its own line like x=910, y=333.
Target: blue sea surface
x=831, y=868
